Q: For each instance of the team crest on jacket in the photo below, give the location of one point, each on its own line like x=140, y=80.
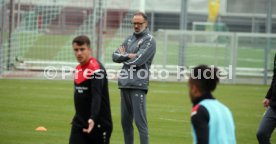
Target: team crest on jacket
x=128, y=42
x=139, y=42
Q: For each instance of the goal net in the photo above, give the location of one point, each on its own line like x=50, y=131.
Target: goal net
x=209, y=27
x=42, y=31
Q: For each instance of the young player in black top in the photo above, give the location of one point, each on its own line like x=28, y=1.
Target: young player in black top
x=212, y=121
x=92, y=122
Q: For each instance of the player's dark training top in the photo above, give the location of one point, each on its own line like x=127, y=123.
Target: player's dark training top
x=91, y=96
x=271, y=94
x=212, y=122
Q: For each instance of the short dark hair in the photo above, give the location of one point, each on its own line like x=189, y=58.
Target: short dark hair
x=81, y=40
x=141, y=14
x=205, y=78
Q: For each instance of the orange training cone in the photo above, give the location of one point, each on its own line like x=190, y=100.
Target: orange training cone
x=41, y=128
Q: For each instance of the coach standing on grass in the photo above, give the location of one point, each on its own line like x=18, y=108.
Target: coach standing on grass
x=92, y=123
x=136, y=53
x=268, y=122
x=212, y=121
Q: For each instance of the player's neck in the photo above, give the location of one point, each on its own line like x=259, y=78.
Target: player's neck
x=86, y=62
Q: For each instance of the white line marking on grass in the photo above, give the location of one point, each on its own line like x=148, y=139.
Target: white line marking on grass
x=33, y=88
x=166, y=106
x=174, y=120
x=250, y=60
x=222, y=58
x=167, y=91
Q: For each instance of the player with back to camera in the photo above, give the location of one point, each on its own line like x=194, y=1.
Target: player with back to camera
x=212, y=121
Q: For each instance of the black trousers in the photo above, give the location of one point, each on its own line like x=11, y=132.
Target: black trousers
x=97, y=136
x=267, y=126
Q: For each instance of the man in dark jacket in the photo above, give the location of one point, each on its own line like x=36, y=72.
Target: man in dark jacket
x=268, y=122
x=136, y=53
x=92, y=123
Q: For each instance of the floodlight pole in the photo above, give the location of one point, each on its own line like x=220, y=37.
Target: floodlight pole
x=268, y=40
x=93, y=34
x=142, y=7
x=2, y=19
x=10, y=34
x=18, y=12
x=183, y=27
x=100, y=32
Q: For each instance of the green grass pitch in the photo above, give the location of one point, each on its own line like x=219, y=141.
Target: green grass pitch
x=27, y=104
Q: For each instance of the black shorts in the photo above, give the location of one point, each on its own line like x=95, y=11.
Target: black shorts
x=97, y=136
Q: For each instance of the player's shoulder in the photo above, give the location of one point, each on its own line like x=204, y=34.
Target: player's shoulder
x=78, y=66
x=149, y=38
x=195, y=109
x=129, y=38
x=198, y=109
x=94, y=64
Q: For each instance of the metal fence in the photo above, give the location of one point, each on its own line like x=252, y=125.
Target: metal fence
x=249, y=55
x=35, y=34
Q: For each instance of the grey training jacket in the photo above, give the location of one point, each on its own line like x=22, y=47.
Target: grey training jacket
x=135, y=72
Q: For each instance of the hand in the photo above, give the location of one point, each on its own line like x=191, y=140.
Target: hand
x=131, y=55
x=90, y=126
x=122, y=50
x=266, y=102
